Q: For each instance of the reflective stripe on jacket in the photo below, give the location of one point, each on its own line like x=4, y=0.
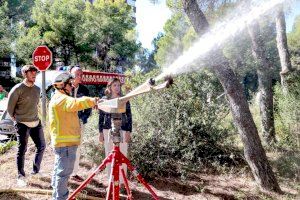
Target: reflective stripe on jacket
x=63, y=118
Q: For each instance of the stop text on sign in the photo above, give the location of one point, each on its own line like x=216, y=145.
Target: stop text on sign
x=41, y=58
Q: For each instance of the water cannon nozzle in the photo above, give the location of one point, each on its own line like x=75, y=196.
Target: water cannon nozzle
x=169, y=80
x=151, y=81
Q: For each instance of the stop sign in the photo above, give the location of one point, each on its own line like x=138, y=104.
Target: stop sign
x=42, y=58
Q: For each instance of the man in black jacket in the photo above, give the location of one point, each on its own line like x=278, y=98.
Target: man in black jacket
x=79, y=91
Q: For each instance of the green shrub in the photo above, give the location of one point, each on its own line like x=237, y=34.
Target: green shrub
x=7, y=146
x=180, y=128
x=92, y=149
x=287, y=113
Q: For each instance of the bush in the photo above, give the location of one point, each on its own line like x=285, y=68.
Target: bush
x=287, y=113
x=7, y=146
x=91, y=148
x=179, y=128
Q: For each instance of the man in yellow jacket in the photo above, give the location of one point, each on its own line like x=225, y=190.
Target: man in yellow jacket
x=65, y=131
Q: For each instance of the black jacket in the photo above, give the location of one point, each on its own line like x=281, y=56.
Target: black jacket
x=105, y=119
x=84, y=114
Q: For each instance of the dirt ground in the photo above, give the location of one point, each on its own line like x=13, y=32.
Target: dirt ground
x=196, y=187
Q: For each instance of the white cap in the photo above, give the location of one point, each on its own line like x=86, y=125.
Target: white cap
x=61, y=78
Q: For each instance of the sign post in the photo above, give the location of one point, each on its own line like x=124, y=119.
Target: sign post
x=42, y=59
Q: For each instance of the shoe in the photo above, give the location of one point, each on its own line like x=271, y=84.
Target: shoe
x=77, y=178
x=38, y=174
x=21, y=181
x=34, y=173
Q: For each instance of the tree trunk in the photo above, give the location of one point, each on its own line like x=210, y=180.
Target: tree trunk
x=282, y=46
x=264, y=73
x=254, y=153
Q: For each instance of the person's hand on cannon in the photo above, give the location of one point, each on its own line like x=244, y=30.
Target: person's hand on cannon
x=97, y=101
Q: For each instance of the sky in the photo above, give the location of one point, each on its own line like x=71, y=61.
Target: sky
x=290, y=17
x=152, y=17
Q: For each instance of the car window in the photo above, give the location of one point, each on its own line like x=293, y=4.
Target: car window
x=6, y=115
x=3, y=107
x=3, y=104
x=1, y=114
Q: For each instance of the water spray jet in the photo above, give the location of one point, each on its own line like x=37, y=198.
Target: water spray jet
x=217, y=36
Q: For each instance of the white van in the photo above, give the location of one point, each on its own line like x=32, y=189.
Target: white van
x=7, y=126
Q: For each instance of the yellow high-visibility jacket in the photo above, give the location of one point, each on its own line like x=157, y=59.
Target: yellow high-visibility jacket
x=63, y=117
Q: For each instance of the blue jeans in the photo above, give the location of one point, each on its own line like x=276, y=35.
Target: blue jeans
x=63, y=168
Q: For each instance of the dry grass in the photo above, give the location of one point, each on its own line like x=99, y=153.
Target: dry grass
x=197, y=186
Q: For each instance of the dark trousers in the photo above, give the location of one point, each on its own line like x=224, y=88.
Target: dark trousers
x=37, y=135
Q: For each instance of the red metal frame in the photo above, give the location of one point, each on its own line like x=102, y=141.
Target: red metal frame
x=100, y=78
x=117, y=159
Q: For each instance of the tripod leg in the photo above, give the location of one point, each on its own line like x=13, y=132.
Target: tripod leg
x=138, y=176
x=100, y=168
x=110, y=188
x=114, y=183
x=111, y=177
x=129, y=195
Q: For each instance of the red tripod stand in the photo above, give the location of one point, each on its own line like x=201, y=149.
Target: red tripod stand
x=117, y=159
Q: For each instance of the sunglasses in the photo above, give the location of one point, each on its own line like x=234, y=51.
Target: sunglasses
x=32, y=70
x=69, y=83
